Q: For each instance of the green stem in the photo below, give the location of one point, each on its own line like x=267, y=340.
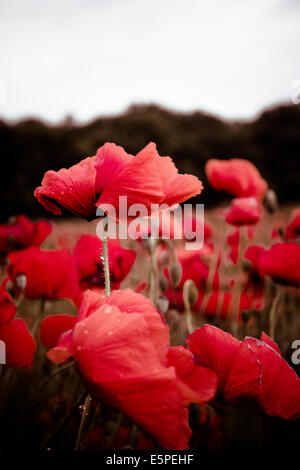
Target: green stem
x=88, y=402
x=188, y=312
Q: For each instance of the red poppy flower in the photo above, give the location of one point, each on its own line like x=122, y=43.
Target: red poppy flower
x=88, y=252
x=49, y=274
x=236, y=176
x=251, y=369
x=23, y=233
x=19, y=343
x=253, y=254
x=121, y=343
x=218, y=303
x=292, y=231
x=52, y=327
x=281, y=262
x=244, y=211
x=194, y=268
x=275, y=233
x=145, y=179
x=233, y=240
x=7, y=307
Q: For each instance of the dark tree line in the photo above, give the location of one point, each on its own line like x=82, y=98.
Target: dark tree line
x=272, y=142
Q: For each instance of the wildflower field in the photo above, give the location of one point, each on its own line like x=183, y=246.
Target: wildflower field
x=184, y=333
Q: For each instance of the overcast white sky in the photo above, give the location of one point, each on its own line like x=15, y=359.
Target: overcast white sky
x=95, y=57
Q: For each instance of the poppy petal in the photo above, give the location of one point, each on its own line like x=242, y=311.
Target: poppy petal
x=7, y=307
x=215, y=349
x=177, y=188
x=131, y=302
x=200, y=383
x=139, y=181
x=280, y=388
x=73, y=189
x=64, y=350
x=53, y=326
x=109, y=161
x=20, y=344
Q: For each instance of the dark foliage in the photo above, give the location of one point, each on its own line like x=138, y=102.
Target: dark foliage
x=30, y=148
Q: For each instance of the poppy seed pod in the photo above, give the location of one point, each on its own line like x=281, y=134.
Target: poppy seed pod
x=270, y=201
x=245, y=315
x=192, y=292
x=21, y=281
x=247, y=265
x=280, y=231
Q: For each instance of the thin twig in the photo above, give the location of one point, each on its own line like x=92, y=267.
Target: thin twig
x=54, y=373
x=62, y=424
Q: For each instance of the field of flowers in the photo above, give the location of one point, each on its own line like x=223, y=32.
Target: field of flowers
x=141, y=343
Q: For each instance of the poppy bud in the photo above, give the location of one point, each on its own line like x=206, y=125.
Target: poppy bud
x=175, y=273
x=270, y=201
x=280, y=232
x=163, y=283
x=246, y=314
x=162, y=304
x=247, y=265
x=190, y=291
x=21, y=281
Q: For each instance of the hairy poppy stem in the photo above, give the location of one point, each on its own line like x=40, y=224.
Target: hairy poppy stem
x=272, y=314
x=187, y=305
x=88, y=402
x=106, y=263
